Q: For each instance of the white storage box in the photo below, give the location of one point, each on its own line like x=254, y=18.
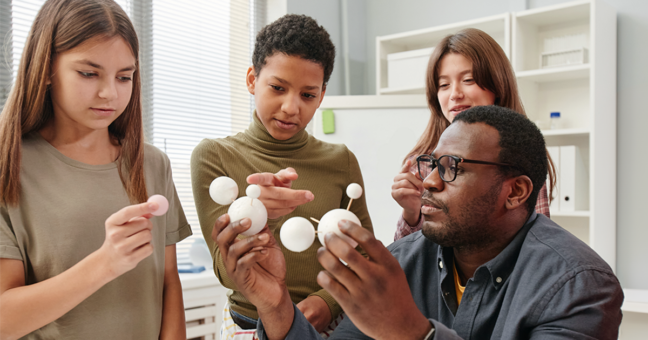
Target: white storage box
x=406, y=70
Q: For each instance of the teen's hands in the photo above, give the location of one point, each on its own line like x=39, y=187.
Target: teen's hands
x=366, y=286
x=258, y=268
x=128, y=238
x=276, y=193
x=406, y=191
x=316, y=311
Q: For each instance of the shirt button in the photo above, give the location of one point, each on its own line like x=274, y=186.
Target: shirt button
x=498, y=280
x=440, y=264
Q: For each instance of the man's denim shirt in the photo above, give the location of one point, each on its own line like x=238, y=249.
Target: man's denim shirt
x=546, y=284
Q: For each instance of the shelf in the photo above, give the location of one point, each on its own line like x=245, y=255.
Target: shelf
x=557, y=14
x=555, y=73
x=409, y=90
x=374, y=102
x=570, y=214
x=565, y=132
x=636, y=301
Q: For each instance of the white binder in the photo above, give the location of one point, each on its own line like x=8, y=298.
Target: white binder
x=574, y=180
x=554, y=153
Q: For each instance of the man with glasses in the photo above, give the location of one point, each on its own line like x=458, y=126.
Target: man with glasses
x=484, y=266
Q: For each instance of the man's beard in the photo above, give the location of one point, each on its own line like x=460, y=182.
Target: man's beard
x=467, y=227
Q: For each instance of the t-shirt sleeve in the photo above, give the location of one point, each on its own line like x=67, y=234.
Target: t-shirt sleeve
x=176, y=222
x=8, y=243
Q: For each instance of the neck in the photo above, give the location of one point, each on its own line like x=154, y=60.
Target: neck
x=468, y=259
x=85, y=145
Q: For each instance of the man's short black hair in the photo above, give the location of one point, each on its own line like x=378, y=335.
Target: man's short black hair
x=295, y=35
x=521, y=141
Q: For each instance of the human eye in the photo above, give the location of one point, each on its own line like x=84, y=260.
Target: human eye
x=309, y=95
x=276, y=88
x=443, y=86
x=87, y=74
x=125, y=78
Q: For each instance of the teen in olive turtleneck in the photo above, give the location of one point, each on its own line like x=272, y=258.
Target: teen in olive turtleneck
x=288, y=79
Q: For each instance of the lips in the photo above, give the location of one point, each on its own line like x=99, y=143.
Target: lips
x=103, y=112
x=284, y=125
x=459, y=108
x=429, y=206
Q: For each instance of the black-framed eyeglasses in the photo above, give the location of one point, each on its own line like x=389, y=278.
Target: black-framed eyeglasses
x=447, y=165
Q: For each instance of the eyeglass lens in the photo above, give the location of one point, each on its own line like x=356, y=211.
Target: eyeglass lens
x=447, y=167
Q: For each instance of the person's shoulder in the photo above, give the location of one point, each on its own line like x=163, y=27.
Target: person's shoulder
x=547, y=241
x=152, y=154
x=412, y=247
x=213, y=145
x=328, y=148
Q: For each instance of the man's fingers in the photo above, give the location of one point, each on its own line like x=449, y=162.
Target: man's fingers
x=220, y=224
x=367, y=241
x=337, y=290
x=126, y=214
x=241, y=248
x=329, y=258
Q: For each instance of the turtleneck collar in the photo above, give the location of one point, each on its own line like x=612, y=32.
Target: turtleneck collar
x=259, y=136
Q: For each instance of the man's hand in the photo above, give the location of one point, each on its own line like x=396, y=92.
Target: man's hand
x=258, y=268
x=276, y=193
x=316, y=311
x=373, y=292
x=406, y=191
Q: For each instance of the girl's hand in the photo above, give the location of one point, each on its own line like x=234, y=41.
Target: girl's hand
x=406, y=191
x=128, y=238
x=277, y=196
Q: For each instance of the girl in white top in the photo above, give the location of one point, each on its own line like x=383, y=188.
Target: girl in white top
x=81, y=256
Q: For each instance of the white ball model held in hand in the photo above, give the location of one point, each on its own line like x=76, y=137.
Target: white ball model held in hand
x=329, y=224
x=163, y=204
x=223, y=190
x=297, y=234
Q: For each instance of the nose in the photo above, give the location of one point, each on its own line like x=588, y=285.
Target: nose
x=290, y=105
x=108, y=89
x=433, y=181
x=456, y=93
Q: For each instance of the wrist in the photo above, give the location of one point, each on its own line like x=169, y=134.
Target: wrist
x=412, y=218
x=100, y=267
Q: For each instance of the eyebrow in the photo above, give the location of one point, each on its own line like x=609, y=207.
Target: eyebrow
x=283, y=81
x=91, y=64
x=460, y=73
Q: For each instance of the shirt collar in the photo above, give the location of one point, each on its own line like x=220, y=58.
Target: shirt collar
x=502, y=265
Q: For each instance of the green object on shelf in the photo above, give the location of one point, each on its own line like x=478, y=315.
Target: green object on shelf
x=328, y=122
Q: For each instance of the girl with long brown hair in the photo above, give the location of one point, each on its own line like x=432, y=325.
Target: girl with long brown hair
x=81, y=256
x=466, y=69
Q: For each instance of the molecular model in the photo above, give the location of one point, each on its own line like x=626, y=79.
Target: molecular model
x=223, y=190
x=163, y=204
x=297, y=234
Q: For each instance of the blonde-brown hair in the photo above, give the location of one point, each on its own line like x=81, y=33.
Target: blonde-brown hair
x=60, y=26
x=491, y=70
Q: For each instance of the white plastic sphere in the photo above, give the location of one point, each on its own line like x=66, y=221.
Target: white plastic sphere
x=223, y=190
x=354, y=191
x=253, y=191
x=163, y=204
x=297, y=234
x=252, y=209
x=329, y=224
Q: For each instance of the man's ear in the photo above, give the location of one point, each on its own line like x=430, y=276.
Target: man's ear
x=521, y=187
x=250, y=79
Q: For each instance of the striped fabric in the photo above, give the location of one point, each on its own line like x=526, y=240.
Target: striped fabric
x=231, y=331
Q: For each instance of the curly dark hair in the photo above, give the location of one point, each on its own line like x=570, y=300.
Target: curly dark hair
x=522, y=143
x=295, y=35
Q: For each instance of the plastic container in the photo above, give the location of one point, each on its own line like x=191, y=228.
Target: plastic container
x=555, y=120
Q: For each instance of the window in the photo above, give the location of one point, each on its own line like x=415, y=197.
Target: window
x=194, y=57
